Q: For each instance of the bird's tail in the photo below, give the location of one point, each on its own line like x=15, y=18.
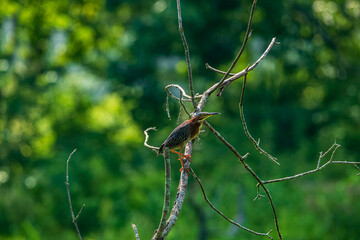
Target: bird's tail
x=161, y=150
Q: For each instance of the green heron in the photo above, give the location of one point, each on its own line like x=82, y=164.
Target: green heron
x=182, y=134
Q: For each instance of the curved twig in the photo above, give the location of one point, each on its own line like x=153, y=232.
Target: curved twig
x=223, y=215
x=187, y=97
x=241, y=108
x=74, y=219
x=155, y=149
x=167, y=191
x=247, y=36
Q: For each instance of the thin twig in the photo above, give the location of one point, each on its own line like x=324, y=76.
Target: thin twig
x=358, y=168
x=155, y=149
x=167, y=106
x=318, y=167
x=182, y=104
x=67, y=183
x=187, y=55
x=223, y=215
x=186, y=98
x=241, y=108
x=238, y=75
x=247, y=167
x=241, y=73
x=167, y=191
x=79, y=212
x=246, y=37
x=137, y=237
x=217, y=70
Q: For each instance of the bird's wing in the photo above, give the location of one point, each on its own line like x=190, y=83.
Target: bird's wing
x=177, y=137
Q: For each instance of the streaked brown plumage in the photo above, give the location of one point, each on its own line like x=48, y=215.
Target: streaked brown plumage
x=185, y=132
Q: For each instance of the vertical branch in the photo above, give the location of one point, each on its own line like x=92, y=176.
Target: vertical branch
x=137, y=237
x=180, y=196
x=187, y=55
x=166, y=206
x=247, y=35
x=74, y=219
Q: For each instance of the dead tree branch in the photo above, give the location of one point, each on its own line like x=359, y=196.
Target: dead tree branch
x=67, y=183
x=187, y=54
x=332, y=149
x=180, y=195
x=247, y=167
x=247, y=35
x=167, y=191
x=155, y=149
x=223, y=215
x=184, y=176
x=137, y=237
x=243, y=72
x=241, y=108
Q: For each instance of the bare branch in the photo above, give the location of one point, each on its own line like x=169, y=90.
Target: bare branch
x=67, y=183
x=247, y=167
x=180, y=99
x=167, y=106
x=243, y=72
x=345, y=162
x=187, y=97
x=217, y=70
x=167, y=191
x=180, y=195
x=333, y=147
x=247, y=35
x=79, y=212
x=137, y=237
x=182, y=104
x=241, y=108
x=187, y=55
x=155, y=149
x=238, y=75
x=223, y=215
x=358, y=168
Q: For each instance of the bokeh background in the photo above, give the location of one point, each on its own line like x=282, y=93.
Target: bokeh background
x=91, y=75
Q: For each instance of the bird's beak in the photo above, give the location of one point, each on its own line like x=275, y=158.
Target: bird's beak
x=213, y=113
x=210, y=114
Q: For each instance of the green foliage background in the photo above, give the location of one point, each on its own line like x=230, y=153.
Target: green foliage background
x=91, y=75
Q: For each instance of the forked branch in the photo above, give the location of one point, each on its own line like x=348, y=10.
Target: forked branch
x=256, y=143
x=167, y=191
x=247, y=167
x=223, y=215
x=67, y=183
x=332, y=149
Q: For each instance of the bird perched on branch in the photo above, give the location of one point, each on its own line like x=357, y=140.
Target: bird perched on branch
x=182, y=134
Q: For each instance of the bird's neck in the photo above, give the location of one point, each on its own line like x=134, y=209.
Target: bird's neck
x=196, y=128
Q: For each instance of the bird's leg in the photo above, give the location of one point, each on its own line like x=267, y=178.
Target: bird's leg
x=188, y=157
x=181, y=156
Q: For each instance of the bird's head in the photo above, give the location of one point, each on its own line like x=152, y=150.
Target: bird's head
x=204, y=115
